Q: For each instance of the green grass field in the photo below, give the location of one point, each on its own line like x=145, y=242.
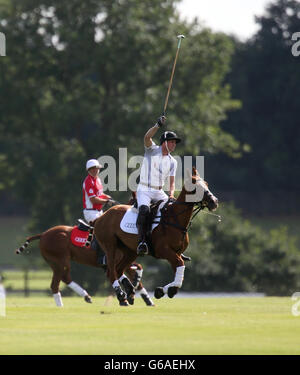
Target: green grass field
x=185, y=326
x=180, y=326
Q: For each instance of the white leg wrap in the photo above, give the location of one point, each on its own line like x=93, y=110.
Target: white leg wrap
x=58, y=300
x=179, y=276
x=178, y=279
x=77, y=289
x=140, y=273
x=123, y=277
x=116, y=284
x=138, y=277
x=144, y=291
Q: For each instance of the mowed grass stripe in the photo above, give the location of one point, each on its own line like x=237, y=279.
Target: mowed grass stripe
x=183, y=326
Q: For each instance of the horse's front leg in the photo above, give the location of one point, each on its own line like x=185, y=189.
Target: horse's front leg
x=178, y=267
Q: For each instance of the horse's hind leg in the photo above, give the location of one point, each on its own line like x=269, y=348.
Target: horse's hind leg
x=61, y=272
x=66, y=278
x=56, y=278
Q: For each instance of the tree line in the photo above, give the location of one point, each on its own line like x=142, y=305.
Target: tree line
x=84, y=79
x=265, y=77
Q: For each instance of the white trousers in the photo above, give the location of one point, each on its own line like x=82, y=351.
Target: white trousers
x=91, y=215
x=146, y=195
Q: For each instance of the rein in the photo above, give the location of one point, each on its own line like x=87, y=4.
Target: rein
x=195, y=212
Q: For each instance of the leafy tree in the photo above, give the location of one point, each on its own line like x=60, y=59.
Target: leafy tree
x=82, y=79
x=265, y=78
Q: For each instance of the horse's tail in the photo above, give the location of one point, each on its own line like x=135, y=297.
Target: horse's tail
x=27, y=242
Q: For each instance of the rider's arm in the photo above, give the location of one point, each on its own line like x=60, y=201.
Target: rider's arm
x=148, y=136
x=172, y=186
x=172, y=178
x=152, y=131
x=97, y=200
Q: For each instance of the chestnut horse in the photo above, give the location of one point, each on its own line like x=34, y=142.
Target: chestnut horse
x=58, y=251
x=169, y=239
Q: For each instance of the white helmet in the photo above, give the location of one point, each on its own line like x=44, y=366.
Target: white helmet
x=92, y=163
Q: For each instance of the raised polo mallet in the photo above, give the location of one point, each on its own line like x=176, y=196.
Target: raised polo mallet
x=180, y=37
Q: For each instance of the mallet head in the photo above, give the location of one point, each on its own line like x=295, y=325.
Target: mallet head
x=180, y=37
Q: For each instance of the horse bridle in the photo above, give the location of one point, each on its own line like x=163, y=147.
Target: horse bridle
x=199, y=206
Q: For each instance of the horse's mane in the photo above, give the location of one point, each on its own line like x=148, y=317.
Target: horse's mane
x=195, y=177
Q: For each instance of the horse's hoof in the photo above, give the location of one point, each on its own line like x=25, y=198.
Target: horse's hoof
x=88, y=299
x=185, y=258
x=158, y=293
x=122, y=296
x=124, y=302
x=129, y=290
x=130, y=299
x=172, y=291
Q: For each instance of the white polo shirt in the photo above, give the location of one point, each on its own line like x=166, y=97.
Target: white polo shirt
x=156, y=167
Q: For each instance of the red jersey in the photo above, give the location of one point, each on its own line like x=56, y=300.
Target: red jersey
x=92, y=187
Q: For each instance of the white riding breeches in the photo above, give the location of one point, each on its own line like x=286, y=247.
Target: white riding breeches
x=91, y=215
x=146, y=196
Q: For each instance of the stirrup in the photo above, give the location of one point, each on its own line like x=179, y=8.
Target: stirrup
x=142, y=248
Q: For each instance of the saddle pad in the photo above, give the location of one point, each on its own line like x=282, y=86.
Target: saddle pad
x=79, y=237
x=128, y=223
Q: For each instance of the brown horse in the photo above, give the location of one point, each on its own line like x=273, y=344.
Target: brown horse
x=58, y=251
x=169, y=239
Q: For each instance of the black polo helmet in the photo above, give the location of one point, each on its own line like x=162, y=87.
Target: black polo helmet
x=168, y=136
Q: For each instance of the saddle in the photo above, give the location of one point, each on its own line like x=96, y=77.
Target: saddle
x=128, y=222
x=153, y=208
x=79, y=235
x=82, y=236
x=83, y=226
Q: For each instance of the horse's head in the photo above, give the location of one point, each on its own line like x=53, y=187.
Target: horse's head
x=199, y=192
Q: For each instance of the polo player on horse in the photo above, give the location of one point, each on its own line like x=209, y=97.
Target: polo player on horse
x=92, y=190
x=158, y=165
x=93, y=196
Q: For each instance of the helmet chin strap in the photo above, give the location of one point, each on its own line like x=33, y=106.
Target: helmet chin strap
x=166, y=144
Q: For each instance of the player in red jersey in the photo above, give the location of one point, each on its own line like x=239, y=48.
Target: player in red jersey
x=92, y=189
x=93, y=201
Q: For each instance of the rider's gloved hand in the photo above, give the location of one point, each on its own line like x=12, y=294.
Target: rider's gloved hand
x=112, y=202
x=161, y=121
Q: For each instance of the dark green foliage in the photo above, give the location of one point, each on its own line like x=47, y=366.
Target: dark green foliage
x=82, y=79
x=235, y=255
x=265, y=77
